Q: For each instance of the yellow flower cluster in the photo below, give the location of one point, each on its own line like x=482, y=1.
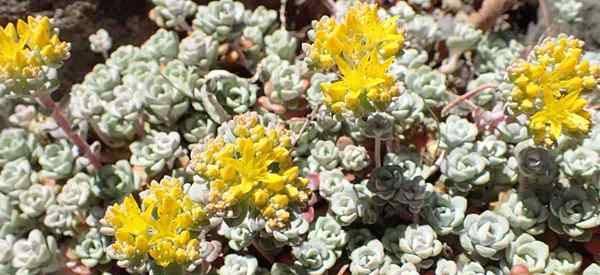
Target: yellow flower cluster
x=362, y=47
x=255, y=169
x=28, y=46
x=161, y=227
x=550, y=85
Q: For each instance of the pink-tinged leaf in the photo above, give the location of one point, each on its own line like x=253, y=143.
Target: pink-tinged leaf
x=309, y=214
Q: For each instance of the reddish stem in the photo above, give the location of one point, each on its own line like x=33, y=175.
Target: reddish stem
x=65, y=125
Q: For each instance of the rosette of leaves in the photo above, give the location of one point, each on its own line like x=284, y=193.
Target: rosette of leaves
x=445, y=213
x=172, y=13
x=390, y=187
x=101, y=80
x=91, y=247
x=162, y=46
x=58, y=160
x=494, y=150
x=331, y=182
x=429, y=84
x=304, y=140
x=456, y=131
x=62, y=219
x=561, y=261
x=344, y=205
x=524, y=212
x=367, y=210
x=115, y=181
x=183, y=77
x=407, y=110
x=6, y=243
x=411, y=59
x=224, y=93
x=240, y=265
x=446, y=267
x=329, y=230
x=16, y=143
x=487, y=97
x=512, y=131
x=262, y=18
x=140, y=74
x=121, y=117
x=464, y=169
x=197, y=127
x=241, y=234
x=16, y=176
x=223, y=19
x=369, y=259
x=537, y=166
x=36, y=199
x=326, y=123
x=592, y=269
x=123, y=56
x=486, y=235
x=77, y=191
x=580, y=163
x=418, y=243
x=314, y=256
x=324, y=155
x=357, y=238
x=495, y=55
x=424, y=29
x=574, y=212
x=100, y=41
x=354, y=158
x=377, y=125
x=164, y=103
x=283, y=269
x=528, y=251
x=85, y=104
x=11, y=220
x=36, y=254
x=292, y=234
x=198, y=49
x=288, y=84
x=282, y=43
x=463, y=37
x=156, y=151
x=314, y=94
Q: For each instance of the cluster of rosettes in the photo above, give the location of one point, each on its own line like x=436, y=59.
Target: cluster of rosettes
x=161, y=227
x=251, y=165
x=550, y=86
x=25, y=49
x=362, y=47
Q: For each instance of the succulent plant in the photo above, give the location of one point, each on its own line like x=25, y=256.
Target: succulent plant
x=12, y=222
x=512, y=132
x=429, y=84
x=314, y=94
x=294, y=231
x=115, y=181
x=567, y=12
x=6, y=243
x=494, y=150
x=58, y=160
x=445, y=213
x=123, y=56
x=495, y=55
x=329, y=230
x=198, y=49
x=263, y=18
x=463, y=37
x=287, y=83
x=281, y=43
x=524, y=212
x=164, y=103
x=122, y=116
x=16, y=176
x=411, y=59
x=172, y=13
x=197, y=127
x=223, y=19
x=183, y=77
x=407, y=110
x=231, y=92
x=314, y=256
x=36, y=199
x=574, y=212
x=283, y=269
x=62, y=219
x=561, y=261
x=156, y=151
x=390, y=186
x=331, y=182
x=344, y=206
x=16, y=143
x=369, y=259
x=240, y=235
x=101, y=80
x=465, y=169
x=37, y=254
x=591, y=269
x=77, y=191
x=580, y=163
x=140, y=74
x=162, y=46
x=91, y=247
x=357, y=238
x=537, y=166
x=418, y=243
x=377, y=125
x=354, y=158
x=456, y=131
x=527, y=251
x=100, y=42
x=446, y=267
x=239, y=265
x=424, y=29
x=486, y=235
x=323, y=156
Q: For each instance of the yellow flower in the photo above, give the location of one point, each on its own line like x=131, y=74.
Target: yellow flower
x=557, y=115
x=362, y=47
x=161, y=227
x=254, y=168
x=24, y=49
x=548, y=87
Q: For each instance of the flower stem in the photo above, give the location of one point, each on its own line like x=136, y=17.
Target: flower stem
x=65, y=125
x=377, y=152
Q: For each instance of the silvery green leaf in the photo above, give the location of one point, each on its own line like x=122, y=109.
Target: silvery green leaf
x=36, y=254
x=100, y=42
x=57, y=160
x=314, y=256
x=197, y=127
x=411, y=59
x=581, y=163
x=424, y=29
x=283, y=269
x=162, y=46
x=314, y=94
x=354, y=158
x=164, y=103
x=592, y=269
x=524, y=211
x=34, y=201
x=76, y=191
x=445, y=213
x=62, y=219
x=456, y=131
x=324, y=155
x=198, y=49
x=330, y=231
x=344, y=207
x=16, y=143
x=223, y=92
x=429, y=84
x=407, y=110
x=23, y=114
x=486, y=235
x=377, y=125
x=123, y=56
x=446, y=267
x=464, y=169
x=512, y=132
x=331, y=182
x=17, y=176
x=561, y=261
x=90, y=248
x=101, y=80
x=239, y=265
x=288, y=84
x=369, y=259
x=418, y=243
x=115, y=181
x=11, y=219
x=156, y=151
x=575, y=212
x=281, y=43
x=292, y=234
x=527, y=251
x=493, y=150
x=172, y=13
x=262, y=18
x=223, y=19
x=463, y=37
x=140, y=74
